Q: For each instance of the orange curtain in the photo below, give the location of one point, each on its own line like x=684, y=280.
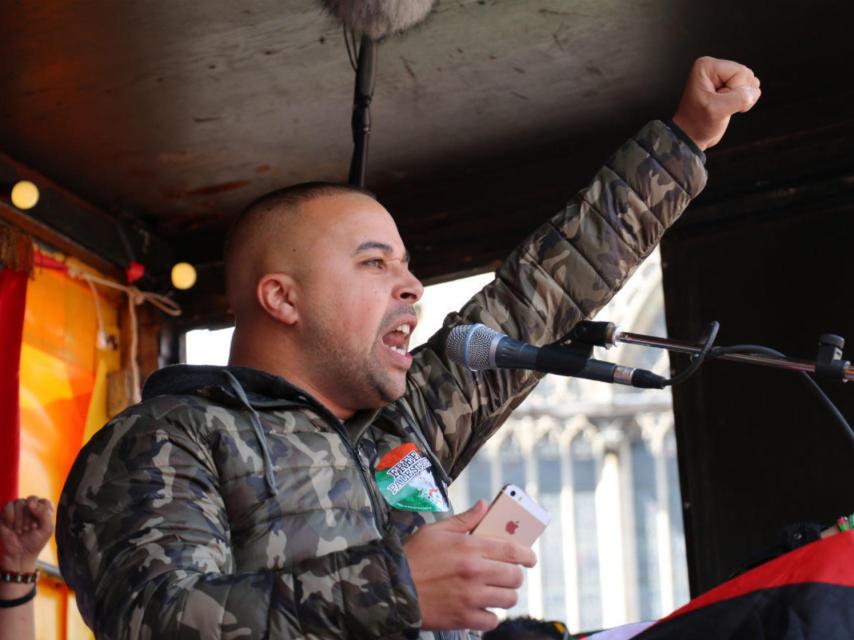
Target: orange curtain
x=66, y=355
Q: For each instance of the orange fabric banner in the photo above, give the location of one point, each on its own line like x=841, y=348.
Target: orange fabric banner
x=66, y=355
x=64, y=366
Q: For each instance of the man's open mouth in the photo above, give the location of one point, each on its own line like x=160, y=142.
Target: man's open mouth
x=398, y=338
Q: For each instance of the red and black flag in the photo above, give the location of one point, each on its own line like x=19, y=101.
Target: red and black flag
x=803, y=595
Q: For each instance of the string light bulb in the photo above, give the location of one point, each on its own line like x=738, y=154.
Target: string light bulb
x=25, y=195
x=183, y=275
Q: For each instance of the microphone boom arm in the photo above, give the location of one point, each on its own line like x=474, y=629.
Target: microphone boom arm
x=691, y=348
x=829, y=364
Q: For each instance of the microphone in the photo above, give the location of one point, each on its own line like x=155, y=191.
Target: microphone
x=379, y=18
x=374, y=20
x=478, y=347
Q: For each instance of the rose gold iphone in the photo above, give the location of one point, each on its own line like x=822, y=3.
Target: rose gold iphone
x=513, y=516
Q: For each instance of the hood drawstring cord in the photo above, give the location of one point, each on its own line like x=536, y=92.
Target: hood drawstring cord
x=255, y=419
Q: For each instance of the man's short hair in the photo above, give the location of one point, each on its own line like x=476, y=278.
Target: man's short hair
x=287, y=199
x=296, y=194
x=261, y=214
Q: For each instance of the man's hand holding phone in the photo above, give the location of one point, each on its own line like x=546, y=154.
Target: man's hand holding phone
x=514, y=516
x=472, y=561
x=458, y=575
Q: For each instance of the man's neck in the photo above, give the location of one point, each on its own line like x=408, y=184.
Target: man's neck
x=285, y=366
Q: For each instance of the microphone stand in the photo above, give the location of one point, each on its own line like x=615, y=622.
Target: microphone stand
x=828, y=366
x=846, y=372
x=363, y=93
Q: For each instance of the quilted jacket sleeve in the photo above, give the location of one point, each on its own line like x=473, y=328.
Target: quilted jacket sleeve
x=144, y=541
x=563, y=273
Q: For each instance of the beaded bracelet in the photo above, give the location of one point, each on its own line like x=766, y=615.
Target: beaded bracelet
x=17, y=602
x=845, y=523
x=19, y=578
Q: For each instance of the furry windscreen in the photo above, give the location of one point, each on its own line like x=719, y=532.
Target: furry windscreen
x=379, y=18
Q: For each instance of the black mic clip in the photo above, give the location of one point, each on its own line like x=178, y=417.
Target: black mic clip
x=588, y=334
x=594, y=334
x=829, y=364
x=583, y=350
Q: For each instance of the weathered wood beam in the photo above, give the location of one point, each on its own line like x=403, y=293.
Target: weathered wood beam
x=450, y=233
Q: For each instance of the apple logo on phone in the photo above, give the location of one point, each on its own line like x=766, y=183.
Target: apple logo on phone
x=511, y=526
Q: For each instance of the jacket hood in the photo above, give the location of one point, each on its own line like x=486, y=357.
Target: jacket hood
x=262, y=389
x=250, y=388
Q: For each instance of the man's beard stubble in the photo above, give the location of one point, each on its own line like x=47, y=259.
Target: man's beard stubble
x=354, y=379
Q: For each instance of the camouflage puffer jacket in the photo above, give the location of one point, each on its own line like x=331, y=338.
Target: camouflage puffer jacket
x=229, y=504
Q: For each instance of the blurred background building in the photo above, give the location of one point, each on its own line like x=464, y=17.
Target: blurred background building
x=601, y=459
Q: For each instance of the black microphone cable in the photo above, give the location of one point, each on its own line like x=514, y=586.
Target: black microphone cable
x=698, y=359
x=602, y=333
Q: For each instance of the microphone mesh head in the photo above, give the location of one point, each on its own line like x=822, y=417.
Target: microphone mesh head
x=471, y=345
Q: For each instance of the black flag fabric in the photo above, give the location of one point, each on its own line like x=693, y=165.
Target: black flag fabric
x=807, y=594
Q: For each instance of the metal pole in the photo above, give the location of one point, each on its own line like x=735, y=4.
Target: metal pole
x=361, y=121
x=681, y=346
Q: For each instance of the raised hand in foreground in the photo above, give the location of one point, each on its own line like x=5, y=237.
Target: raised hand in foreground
x=715, y=91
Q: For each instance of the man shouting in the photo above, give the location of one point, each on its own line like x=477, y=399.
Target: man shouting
x=301, y=490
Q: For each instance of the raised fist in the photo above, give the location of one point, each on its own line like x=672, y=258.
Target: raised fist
x=25, y=528
x=716, y=89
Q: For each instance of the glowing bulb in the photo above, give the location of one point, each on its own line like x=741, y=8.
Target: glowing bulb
x=183, y=275
x=25, y=195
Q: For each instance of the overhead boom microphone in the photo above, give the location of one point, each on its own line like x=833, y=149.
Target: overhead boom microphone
x=373, y=20
x=478, y=347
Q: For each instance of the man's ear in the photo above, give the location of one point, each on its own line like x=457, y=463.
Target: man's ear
x=277, y=295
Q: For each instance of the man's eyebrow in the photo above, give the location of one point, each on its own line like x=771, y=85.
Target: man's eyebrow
x=371, y=245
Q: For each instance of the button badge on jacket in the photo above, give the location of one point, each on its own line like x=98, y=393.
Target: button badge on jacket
x=405, y=479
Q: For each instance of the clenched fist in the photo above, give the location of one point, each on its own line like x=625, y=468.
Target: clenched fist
x=716, y=89
x=25, y=528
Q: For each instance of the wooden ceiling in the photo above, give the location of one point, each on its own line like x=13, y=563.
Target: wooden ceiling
x=167, y=117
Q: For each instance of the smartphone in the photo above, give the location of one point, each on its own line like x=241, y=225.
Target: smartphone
x=514, y=516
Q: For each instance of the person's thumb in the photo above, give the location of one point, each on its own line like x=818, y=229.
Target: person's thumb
x=736, y=100
x=465, y=521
